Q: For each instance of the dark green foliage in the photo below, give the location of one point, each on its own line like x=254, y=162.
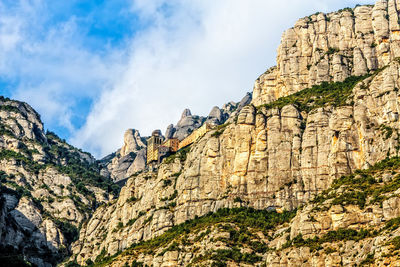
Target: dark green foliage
x=136, y=264
x=174, y=195
x=80, y=171
x=220, y=129
x=393, y=224
x=332, y=236
x=177, y=174
x=171, y=197
x=332, y=51
x=171, y=205
x=72, y=264
x=368, y=260
x=395, y=243
x=387, y=130
x=132, y=199
x=9, y=108
x=346, y=9
x=223, y=255
x=70, y=231
x=243, y=236
x=330, y=250
x=4, y=130
x=202, y=235
x=29, y=164
x=334, y=93
x=167, y=182
x=244, y=217
x=238, y=199
x=101, y=256
x=131, y=221
x=120, y=225
x=4, y=99
x=173, y=247
x=181, y=154
x=351, y=198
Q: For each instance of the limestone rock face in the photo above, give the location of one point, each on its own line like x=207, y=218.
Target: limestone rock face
x=132, y=142
x=39, y=196
x=332, y=47
x=131, y=158
x=216, y=116
x=169, y=133
x=186, y=125
x=269, y=159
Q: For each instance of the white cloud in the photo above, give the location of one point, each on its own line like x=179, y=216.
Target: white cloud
x=50, y=63
x=196, y=54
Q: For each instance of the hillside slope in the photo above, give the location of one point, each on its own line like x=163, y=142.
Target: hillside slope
x=48, y=188
x=353, y=223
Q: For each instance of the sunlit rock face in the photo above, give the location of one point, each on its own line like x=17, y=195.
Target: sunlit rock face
x=266, y=158
x=277, y=157
x=332, y=47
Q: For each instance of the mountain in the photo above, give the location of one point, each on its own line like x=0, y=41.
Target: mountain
x=131, y=158
x=354, y=222
x=48, y=189
x=304, y=171
x=326, y=111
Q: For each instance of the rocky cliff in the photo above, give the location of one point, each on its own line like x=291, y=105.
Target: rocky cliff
x=332, y=47
x=131, y=158
x=48, y=188
x=353, y=223
x=330, y=107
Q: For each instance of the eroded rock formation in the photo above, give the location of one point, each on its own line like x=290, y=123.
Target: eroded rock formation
x=275, y=157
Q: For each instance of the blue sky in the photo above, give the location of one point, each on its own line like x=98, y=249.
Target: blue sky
x=93, y=69
x=98, y=27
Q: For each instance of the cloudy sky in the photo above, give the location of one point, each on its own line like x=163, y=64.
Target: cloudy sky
x=94, y=68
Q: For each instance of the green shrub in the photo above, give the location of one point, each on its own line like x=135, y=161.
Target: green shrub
x=333, y=93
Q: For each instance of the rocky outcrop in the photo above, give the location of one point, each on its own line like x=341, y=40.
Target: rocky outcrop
x=332, y=47
x=48, y=188
x=131, y=158
x=217, y=116
x=185, y=126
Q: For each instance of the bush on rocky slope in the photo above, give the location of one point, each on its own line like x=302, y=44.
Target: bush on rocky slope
x=241, y=223
x=334, y=93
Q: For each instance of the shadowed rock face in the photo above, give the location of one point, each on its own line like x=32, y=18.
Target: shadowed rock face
x=131, y=158
x=42, y=199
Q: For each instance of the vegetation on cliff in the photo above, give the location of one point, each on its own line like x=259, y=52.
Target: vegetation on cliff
x=240, y=223
x=326, y=93
x=364, y=187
